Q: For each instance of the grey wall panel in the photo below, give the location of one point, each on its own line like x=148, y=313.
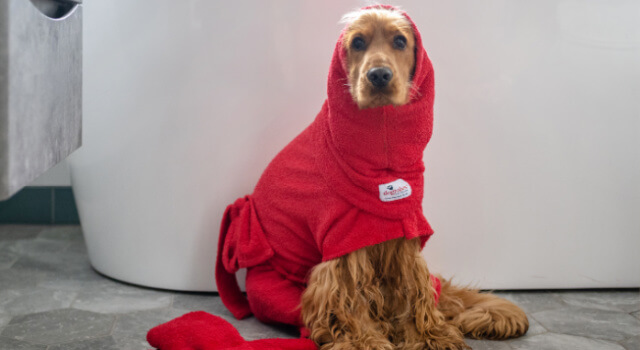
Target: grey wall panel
x=41, y=124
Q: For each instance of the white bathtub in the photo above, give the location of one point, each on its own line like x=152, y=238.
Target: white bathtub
x=532, y=173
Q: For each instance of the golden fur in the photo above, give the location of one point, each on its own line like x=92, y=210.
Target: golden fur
x=381, y=297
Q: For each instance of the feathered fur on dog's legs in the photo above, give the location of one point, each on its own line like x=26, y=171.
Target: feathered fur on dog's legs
x=378, y=297
x=481, y=315
x=419, y=324
x=343, y=305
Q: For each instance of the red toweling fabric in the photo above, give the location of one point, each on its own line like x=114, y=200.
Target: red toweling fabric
x=202, y=331
x=321, y=198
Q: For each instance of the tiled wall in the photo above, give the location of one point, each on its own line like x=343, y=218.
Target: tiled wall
x=40, y=205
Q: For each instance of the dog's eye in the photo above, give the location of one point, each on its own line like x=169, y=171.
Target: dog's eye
x=399, y=42
x=358, y=44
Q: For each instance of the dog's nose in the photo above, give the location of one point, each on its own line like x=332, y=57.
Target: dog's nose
x=379, y=76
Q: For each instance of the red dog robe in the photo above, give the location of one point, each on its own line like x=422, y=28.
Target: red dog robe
x=352, y=179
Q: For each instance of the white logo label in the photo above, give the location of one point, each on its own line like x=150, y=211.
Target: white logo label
x=394, y=190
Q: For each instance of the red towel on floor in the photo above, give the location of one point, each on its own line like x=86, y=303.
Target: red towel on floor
x=352, y=179
x=202, y=331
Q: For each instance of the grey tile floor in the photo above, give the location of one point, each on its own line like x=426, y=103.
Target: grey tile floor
x=51, y=299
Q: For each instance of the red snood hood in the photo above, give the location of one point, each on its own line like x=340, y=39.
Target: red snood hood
x=372, y=148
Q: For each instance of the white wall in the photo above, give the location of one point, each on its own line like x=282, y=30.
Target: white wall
x=532, y=173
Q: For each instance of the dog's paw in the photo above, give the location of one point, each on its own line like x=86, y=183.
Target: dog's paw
x=499, y=319
x=442, y=336
x=365, y=344
x=434, y=345
x=446, y=344
x=488, y=324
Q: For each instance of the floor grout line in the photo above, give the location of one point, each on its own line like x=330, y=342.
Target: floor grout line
x=113, y=325
x=540, y=323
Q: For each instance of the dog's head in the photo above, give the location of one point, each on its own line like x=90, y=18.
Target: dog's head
x=380, y=48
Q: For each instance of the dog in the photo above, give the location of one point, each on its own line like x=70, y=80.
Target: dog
x=331, y=235
x=381, y=296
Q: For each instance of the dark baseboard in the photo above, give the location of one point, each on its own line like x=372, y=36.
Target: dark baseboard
x=40, y=205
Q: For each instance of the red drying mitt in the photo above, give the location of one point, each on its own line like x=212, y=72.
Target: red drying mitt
x=202, y=331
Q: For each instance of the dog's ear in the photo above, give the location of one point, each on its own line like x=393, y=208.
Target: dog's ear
x=413, y=69
x=415, y=56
